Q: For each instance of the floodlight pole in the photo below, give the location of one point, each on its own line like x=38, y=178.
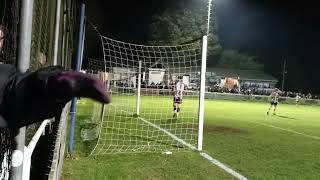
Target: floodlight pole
x=139, y=89
x=208, y=18
x=202, y=91
x=23, y=64
x=283, y=74
x=78, y=67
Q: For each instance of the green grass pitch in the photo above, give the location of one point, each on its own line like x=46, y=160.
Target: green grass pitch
x=239, y=134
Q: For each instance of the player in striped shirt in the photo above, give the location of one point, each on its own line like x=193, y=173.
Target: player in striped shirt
x=274, y=100
x=177, y=99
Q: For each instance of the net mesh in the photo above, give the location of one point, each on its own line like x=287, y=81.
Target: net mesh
x=154, y=129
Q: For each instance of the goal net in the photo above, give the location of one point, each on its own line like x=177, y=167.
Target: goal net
x=141, y=80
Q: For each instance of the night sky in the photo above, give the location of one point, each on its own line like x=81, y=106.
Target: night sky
x=276, y=30
x=271, y=29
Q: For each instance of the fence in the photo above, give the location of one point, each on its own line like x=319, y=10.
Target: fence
x=60, y=143
x=258, y=98
x=161, y=91
x=10, y=21
x=51, y=44
x=8, y=55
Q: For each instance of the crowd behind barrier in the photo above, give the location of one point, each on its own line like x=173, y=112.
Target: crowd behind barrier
x=252, y=90
x=244, y=90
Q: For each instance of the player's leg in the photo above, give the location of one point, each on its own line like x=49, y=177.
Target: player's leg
x=275, y=108
x=174, y=107
x=179, y=102
x=178, y=110
x=269, y=108
x=178, y=105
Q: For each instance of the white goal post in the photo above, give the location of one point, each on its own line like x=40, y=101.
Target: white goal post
x=139, y=89
x=202, y=91
x=141, y=80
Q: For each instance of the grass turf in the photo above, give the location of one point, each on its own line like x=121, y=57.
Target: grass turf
x=239, y=134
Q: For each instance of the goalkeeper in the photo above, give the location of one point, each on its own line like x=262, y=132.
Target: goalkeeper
x=177, y=99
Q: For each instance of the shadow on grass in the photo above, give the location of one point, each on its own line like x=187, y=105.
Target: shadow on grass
x=286, y=117
x=152, y=140
x=170, y=121
x=224, y=130
x=167, y=143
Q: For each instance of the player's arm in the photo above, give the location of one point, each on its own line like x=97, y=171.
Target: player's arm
x=33, y=97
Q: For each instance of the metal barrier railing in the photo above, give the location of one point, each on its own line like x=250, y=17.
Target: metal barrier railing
x=41, y=52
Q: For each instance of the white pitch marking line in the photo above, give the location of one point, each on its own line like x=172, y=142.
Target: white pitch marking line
x=205, y=155
x=289, y=130
x=223, y=166
x=170, y=134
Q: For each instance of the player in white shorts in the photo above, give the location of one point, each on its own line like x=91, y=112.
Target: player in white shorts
x=177, y=99
x=274, y=100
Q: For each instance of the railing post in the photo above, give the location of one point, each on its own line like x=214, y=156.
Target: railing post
x=78, y=67
x=57, y=32
x=23, y=63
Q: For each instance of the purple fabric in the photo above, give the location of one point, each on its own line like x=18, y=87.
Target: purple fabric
x=70, y=84
x=33, y=97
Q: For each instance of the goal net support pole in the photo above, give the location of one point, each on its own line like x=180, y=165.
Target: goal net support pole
x=139, y=88
x=202, y=91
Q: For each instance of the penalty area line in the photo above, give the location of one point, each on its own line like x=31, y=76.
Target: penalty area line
x=288, y=130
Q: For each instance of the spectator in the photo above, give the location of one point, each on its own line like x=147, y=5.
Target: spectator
x=1, y=41
x=1, y=37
